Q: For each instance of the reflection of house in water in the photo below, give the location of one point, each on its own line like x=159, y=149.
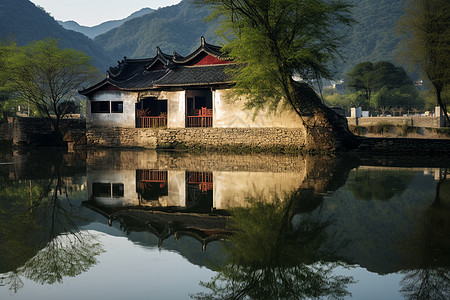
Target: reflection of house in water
x=151, y=186
x=190, y=191
x=180, y=202
x=199, y=190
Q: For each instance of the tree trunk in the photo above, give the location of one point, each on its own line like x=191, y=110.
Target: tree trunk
x=441, y=104
x=57, y=136
x=326, y=130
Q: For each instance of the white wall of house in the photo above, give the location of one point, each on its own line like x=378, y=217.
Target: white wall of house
x=230, y=189
x=176, y=181
x=176, y=108
x=231, y=113
x=233, y=189
x=125, y=177
x=125, y=119
x=227, y=113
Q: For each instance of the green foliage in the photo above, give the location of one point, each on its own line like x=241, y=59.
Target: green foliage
x=406, y=95
x=370, y=77
x=347, y=100
x=381, y=84
x=46, y=76
x=271, y=41
x=425, y=28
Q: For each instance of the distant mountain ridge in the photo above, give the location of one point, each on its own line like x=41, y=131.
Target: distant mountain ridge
x=179, y=28
x=93, y=31
x=173, y=28
x=24, y=22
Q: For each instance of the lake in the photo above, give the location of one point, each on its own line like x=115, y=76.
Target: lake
x=126, y=224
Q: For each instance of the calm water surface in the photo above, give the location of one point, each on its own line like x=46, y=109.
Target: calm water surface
x=164, y=225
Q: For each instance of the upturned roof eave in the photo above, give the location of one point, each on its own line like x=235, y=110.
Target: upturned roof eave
x=93, y=88
x=204, y=47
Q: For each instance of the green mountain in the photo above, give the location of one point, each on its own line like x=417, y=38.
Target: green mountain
x=93, y=31
x=179, y=28
x=174, y=28
x=373, y=37
x=23, y=22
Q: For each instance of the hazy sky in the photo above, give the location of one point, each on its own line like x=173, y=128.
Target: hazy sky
x=94, y=12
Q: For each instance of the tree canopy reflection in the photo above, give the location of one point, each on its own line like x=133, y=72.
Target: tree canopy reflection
x=40, y=237
x=381, y=185
x=280, y=251
x=427, y=253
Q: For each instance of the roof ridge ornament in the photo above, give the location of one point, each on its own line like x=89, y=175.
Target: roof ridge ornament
x=203, y=41
x=158, y=50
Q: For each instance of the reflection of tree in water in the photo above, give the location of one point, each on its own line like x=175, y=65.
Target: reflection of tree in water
x=428, y=252
x=42, y=241
x=280, y=251
x=373, y=185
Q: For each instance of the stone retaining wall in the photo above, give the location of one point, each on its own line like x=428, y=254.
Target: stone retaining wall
x=432, y=122
x=406, y=146
x=263, y=138
x=6, y=130
x=38, y=131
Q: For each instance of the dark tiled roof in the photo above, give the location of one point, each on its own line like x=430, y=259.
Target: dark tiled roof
x=199, y=75
x=128, y=68
x=141, y=81
x=213, y=50
x=134, y=74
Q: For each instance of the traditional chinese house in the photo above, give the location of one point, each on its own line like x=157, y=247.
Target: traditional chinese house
x=174, y=92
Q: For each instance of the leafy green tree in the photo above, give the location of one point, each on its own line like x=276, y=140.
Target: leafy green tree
x=429, y=97
x=425, y=28
x=347, y=100
x=48, y=77
x=360, y=79
x=370, y=77
x=406, y=95
x=272, y=41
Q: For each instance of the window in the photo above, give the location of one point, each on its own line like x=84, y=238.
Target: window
x=100, y=189
x=117, y=190
x=100, y=107
x=117, y=106
x=106, y=106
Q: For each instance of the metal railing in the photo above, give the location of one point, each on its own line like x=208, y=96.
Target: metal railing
x=200, y=118
x=145, y=120
x=151, y=122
